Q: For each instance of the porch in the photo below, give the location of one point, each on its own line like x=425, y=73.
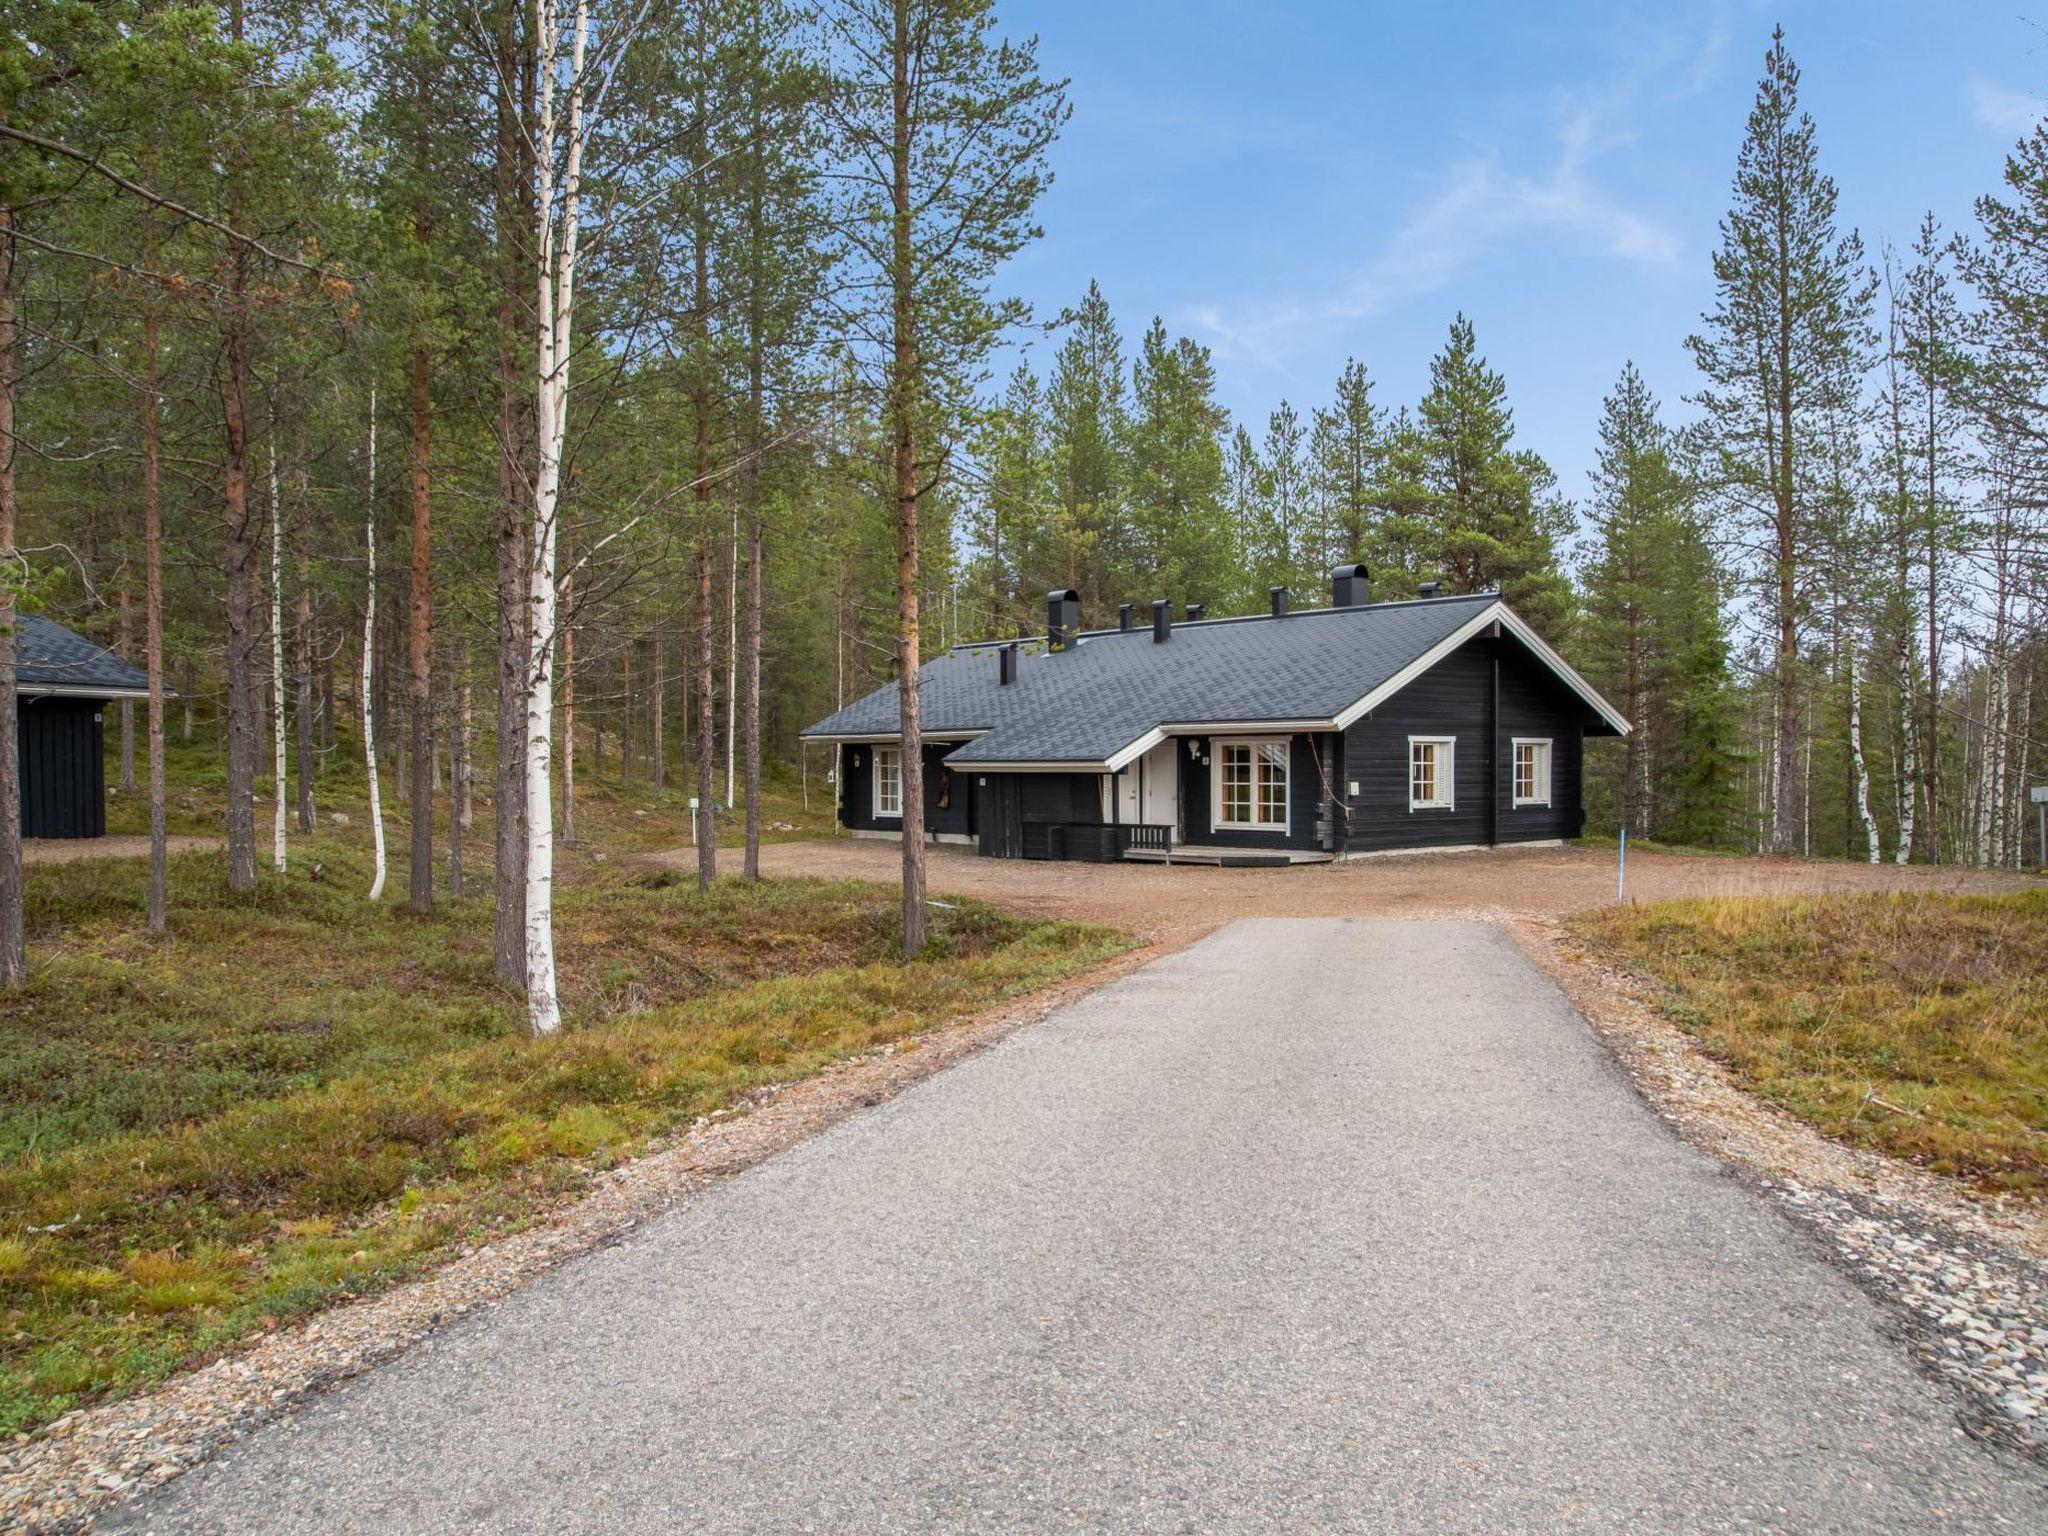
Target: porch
x=1229, y=858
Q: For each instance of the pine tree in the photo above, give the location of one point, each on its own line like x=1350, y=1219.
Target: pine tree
x=1348, y=455
x=1284, y=456
x=1651, y=634
x=1086, y=406
x=1781, y=347
x=1495, y=516
x=1179, y=527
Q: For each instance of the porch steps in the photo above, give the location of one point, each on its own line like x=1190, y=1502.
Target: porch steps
x=1229, y=858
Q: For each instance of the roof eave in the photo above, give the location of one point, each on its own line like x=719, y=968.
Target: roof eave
x=79, y=691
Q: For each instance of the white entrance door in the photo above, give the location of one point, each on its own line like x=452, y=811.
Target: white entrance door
x=1159, y=773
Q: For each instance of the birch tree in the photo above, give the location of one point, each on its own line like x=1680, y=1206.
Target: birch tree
x=366, y=692
x=279, y=779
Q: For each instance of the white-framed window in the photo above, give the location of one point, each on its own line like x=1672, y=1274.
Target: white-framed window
x=1251, y=785
x=1532, y=770
x=888, y=781
x=1432, y=773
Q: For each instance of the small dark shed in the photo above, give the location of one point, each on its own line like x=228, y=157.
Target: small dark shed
x=64, y=682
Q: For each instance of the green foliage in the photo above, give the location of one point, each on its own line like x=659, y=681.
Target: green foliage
x=1651, y=636
x=1493, y=510
x=191, y=1158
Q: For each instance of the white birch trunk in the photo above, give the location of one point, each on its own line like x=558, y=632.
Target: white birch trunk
x=1856, y=754
x=369, y=662
x=277, y=837
x=555, y=293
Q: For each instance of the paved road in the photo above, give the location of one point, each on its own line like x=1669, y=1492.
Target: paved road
x=1320, y=1225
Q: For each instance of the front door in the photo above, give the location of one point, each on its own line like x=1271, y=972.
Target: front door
x=999, y=808
x=1158, y=772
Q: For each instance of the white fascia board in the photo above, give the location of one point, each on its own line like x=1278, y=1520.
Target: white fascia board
x=1041, y=766
x=80, y=691
x=1493, y=613
x=889, y=738
x=1125, y=755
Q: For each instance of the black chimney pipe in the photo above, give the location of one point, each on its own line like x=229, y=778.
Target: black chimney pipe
x=1279, y=602
x=1429, y=589
x=1162, y=620
x=1123, y=617
x=1062, y=618
x=1006, y=664
x=1350, y=586
x=1196, y=612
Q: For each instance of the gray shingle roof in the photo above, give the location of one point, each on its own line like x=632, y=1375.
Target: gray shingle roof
x=1085, y=704
x=47, y=655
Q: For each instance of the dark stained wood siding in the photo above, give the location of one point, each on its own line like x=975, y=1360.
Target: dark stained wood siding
x=62, y=752
x=1456, y=698
x=1534, y=703
x=857, y=794
x=1304, y=795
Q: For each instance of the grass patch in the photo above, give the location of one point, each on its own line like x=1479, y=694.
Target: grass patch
x=297, y=1096
x=1915, y=1025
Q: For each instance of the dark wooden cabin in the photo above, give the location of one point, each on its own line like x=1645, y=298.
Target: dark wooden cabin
x=64, y=684
x=1292, y=735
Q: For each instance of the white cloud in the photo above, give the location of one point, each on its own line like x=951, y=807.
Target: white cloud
x=1482, y=206
x=2010, y=114
x=1487, y=201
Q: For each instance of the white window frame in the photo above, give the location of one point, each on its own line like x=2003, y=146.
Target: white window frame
x=875, y=782
x=1217, y=749
x=1446, y=797
x=1548, y=771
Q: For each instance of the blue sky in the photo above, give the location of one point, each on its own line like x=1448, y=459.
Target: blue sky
x=1299, y=181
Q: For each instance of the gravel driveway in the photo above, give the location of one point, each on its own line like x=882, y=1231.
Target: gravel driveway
x=1172, y=906
x=1318, y=1224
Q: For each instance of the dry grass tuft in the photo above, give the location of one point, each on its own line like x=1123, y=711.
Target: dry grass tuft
x=1915, y=1025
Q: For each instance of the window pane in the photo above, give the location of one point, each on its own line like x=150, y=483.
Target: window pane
x=1237, y=784
x=888, y=783
x=1422, y=765
x=1273, y=783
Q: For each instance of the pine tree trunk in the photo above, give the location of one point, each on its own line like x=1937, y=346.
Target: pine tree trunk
x=657, y=727
x=732, y=658
x=514, y=178
x=705, y=829
x=458, y=763
x=626, y=712
x=153, y=588
x=420, y=633
x=13, y=952
x=242, y=538
x=903, y=379
x=568, y=701
x=302, y=670
x=126, y=647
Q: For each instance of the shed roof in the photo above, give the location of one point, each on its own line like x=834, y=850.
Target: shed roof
x=52, y=659
x=1113, y=693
